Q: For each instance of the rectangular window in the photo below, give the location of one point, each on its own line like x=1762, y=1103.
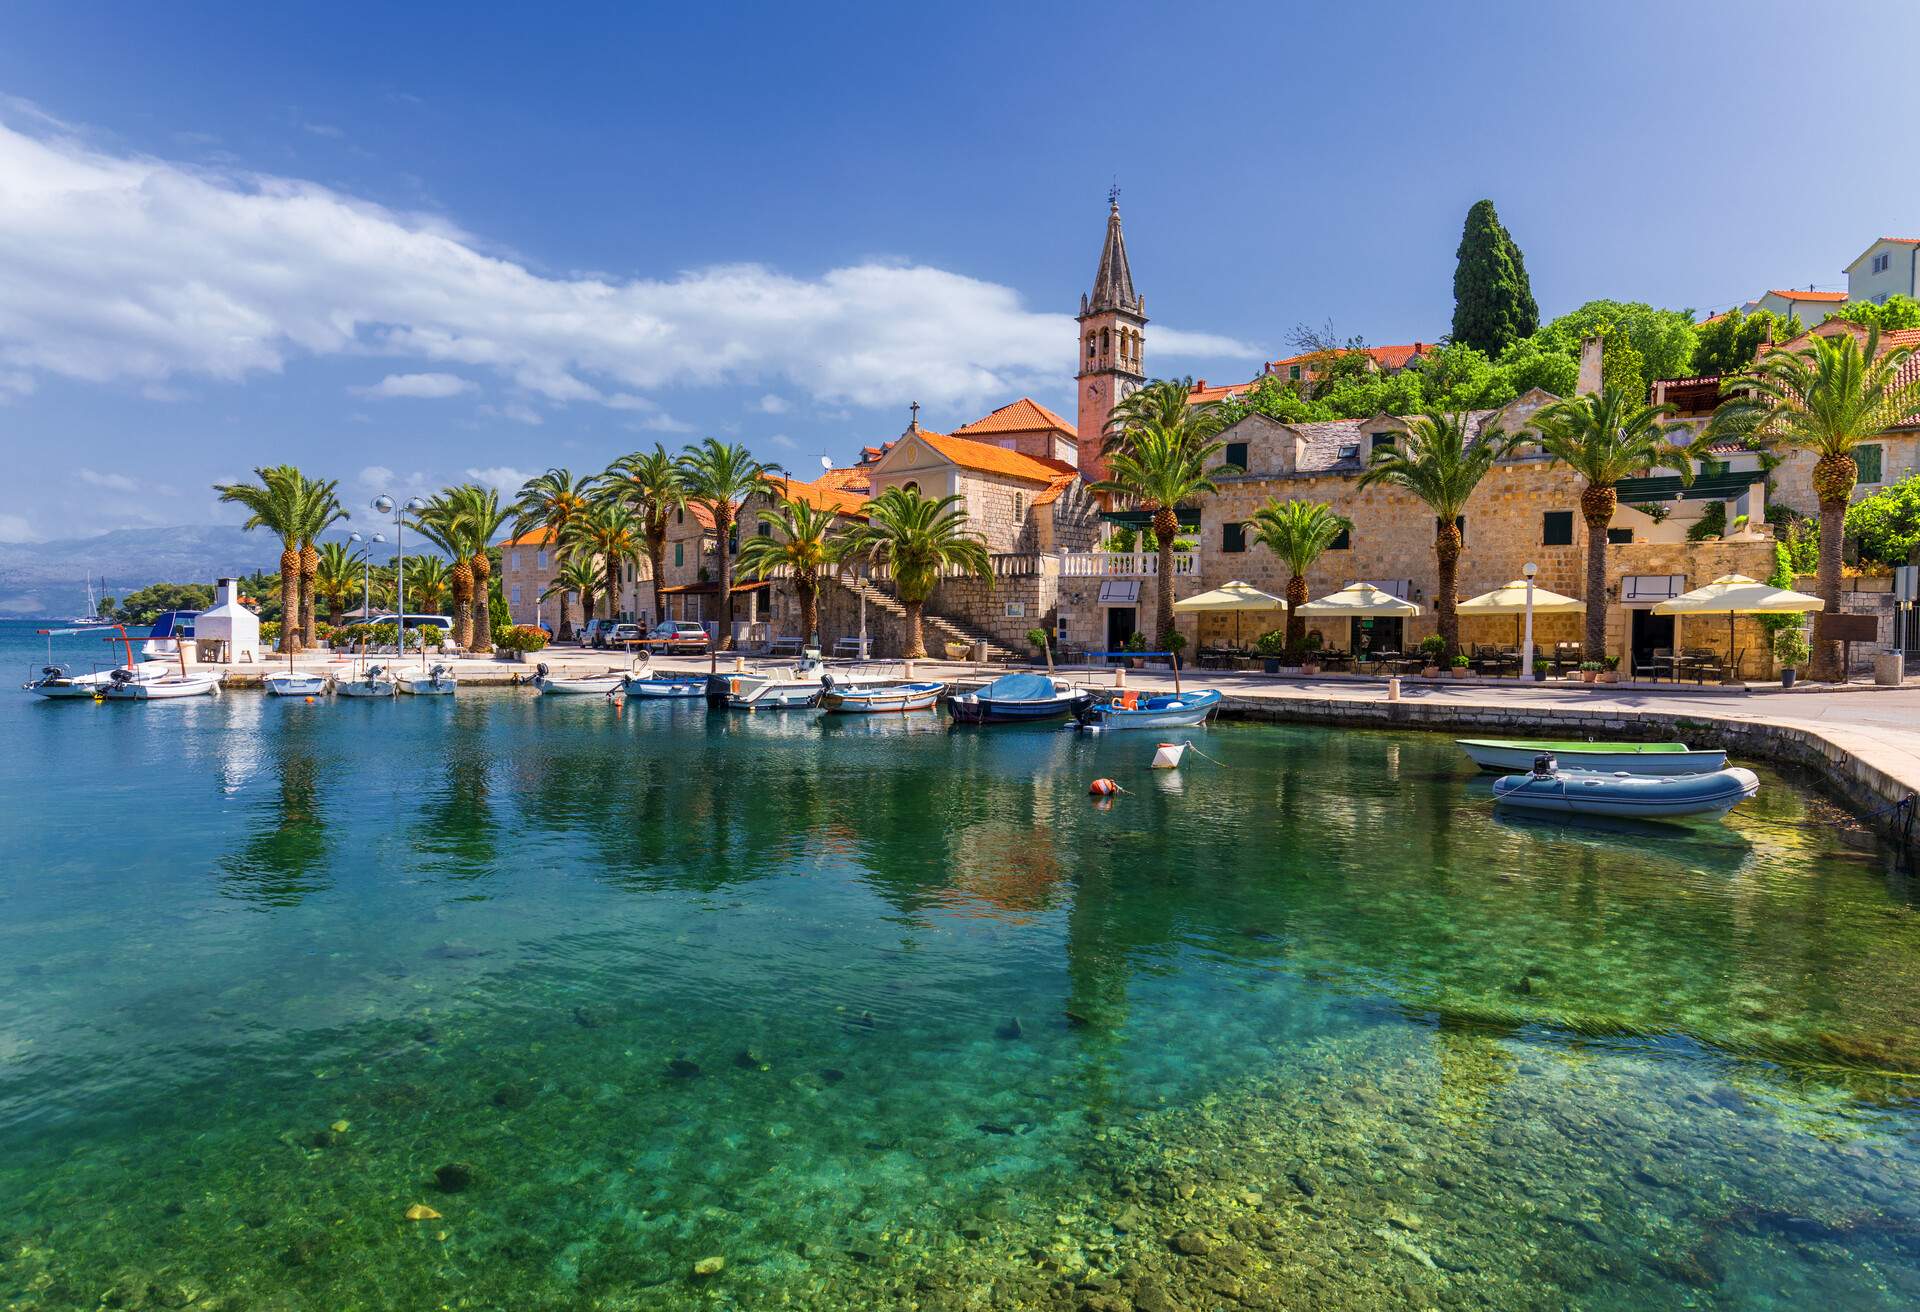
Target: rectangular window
x=679, y=553
x=1460, y=527
x=1868, y=458
x=766, y=529
x=540, y=559
x=1556, y=528
x=1342, y=543
x=1620, y=536
x=1382, y=441
x=1237, y=455
x=516, y=594
x=1882, y=261
x=1293, y=373
x=1233, y=537
x=513, y=560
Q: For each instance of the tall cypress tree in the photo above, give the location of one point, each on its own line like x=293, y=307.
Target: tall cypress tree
x=1492, y=301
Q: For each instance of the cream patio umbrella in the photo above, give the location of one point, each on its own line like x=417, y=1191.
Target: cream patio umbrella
x=1512, y=600
x=1236, y=597
x=1359, y=601
x=1736, y=594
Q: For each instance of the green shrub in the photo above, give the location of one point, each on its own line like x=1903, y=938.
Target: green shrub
x=427, y=635
x=1432, y=645
x=1711, y=524
x=1790, y=647
x=1135, y=642
x=1272, y=643
x=1174, y=641
x=1036, y=638
x=1460, y=661
x=523, y=638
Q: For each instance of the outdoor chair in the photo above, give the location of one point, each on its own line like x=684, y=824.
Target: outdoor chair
x=1662, y=659
x=849, y=646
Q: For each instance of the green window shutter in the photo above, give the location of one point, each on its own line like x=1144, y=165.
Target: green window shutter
x=1868, y=458
x=1342, y=543
x=1556, y=528
x=1233, y=537
x=1237, y=455
x=679, y=553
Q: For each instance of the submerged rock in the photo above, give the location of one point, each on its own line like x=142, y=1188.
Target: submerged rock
x=454, y=1177
x=513, y=1096
x=680, y=1068
x=832, y=1075
x=1011, y=1029
x=1191, y=1243
x=456, y=952
x=748, y=1060
x=421, y=1212
x=708, y=1267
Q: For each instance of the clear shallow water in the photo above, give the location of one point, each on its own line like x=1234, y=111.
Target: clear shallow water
x=665, y=986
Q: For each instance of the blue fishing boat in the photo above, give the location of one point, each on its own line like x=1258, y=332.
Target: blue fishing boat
x=1131, y=710
x=1592, y=792
x=662, y=687
x=1018, y=699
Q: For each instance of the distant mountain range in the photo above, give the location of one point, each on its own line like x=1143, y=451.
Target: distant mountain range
x=49, y=578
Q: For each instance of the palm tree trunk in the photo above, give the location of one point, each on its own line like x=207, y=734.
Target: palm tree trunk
x=482, y=602
x=566, y=625
x=809, y=594
x=916, y=638
x=1446, y=551
x=1596, y=507
x=612, y=573
x=1296, y=624
x=1833, y=479
x=461, y=576
x=657, y=559
x=334, y=613
x=723, y=527
x=1166, y=527
x=309, y=575
x=290, y=599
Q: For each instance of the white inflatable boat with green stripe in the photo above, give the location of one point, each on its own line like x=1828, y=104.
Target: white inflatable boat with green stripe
x=1509, y=754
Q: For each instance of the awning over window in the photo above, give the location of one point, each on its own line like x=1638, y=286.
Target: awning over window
x=1189, y=518
x=1721, y=486
x=1120, y=592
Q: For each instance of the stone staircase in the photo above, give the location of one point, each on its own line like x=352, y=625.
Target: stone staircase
x=938, y=629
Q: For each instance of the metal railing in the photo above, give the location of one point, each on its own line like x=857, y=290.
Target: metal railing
x=1123, y=564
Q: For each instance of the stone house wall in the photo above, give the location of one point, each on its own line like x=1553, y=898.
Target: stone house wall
x=1793, y=479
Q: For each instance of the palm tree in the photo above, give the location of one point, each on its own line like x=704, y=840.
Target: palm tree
x=650, y=484
x=485, y=518
x=337, y=576
x=274, y=504
x=1161, y=404
x=1297, y=532
x=444, y=523
x=803, y=543
x=1828, y=398
x=576, y=574
x=1161, y=467
x=319, y=507
x=1442, y=465
x=551, y=501
x=719, y=477
x=1606, y=437
x=609, y=534
x=918, y=538
x=427, y=582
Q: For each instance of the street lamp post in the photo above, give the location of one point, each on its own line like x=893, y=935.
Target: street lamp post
x=384, y=505
x=1526, y=646
x=366, y=576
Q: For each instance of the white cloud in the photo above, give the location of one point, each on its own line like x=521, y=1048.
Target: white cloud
x=116, y=266
x=112, y=482
x=782, y=440
x=771, y=404
x=14, y=528
x=418, y=386
x=505, y=478
x=323, y=129
x=517, y=411
x=377, y=479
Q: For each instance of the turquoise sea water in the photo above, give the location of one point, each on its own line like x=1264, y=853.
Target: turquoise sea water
x=887, y=1016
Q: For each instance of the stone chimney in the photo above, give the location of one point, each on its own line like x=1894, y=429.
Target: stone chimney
x=1589, y=367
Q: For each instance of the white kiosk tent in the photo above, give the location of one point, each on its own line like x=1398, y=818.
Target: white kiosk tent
x=227, y=632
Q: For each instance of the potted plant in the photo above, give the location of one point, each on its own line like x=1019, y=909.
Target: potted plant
x=1590, y=670
x=516, y=642
x=1037, y=639
x=1310, y=651
x=1609, y=671
x=1433, y=646
x=1790, y=650
x=1174, y=641
x=1136, y=641
x=1271, y=647
x=1461, y=669
x=1540, y=667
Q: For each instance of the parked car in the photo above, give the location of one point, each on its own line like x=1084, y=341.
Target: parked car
x=594, y=632
x=677, y=636
x=624, y=637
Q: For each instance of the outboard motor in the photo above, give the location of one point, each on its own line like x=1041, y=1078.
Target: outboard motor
x=1544, y=765
x=121, y=676
x=826, y=683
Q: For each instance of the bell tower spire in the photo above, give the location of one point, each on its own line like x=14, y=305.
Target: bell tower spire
x=1112, y=345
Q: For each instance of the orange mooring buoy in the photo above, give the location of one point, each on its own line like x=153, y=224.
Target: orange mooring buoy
x=1103, y=788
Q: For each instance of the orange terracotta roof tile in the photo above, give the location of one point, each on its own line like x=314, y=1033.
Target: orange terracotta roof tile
x=533, y=537
x=1808, y=296
x=837, y=500
x=1023, y=416
x=1054, y=489
x=1201, y=393
x=989, y=459
x=1387, y=357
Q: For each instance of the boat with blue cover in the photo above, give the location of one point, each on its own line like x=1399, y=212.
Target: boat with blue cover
x=1549, y=788
x=1022, y=698
x=1171, y=710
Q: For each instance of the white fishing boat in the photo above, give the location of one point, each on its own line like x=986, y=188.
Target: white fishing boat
x=1507, y=754
x=591, y=684
x=897, y=698
x=123, y=686
x=57, y=681
x=374, y=681
x=169, y=629
x=1549, y=788
x=436, y=682
x=666, y=687
x=780, y=687
x=297, y=683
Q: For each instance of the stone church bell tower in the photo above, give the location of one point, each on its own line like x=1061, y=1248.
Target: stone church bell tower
x=1112, y=343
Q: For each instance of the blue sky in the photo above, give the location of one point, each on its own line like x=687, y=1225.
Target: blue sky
x=395, y=244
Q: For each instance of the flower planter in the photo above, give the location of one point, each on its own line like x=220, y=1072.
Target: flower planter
x=1309, y=670
x=1787, y=677
x=1431, y=672
x=1607, y=676
x=1587, y=676
x=1271, y=664
x=1460, y=672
